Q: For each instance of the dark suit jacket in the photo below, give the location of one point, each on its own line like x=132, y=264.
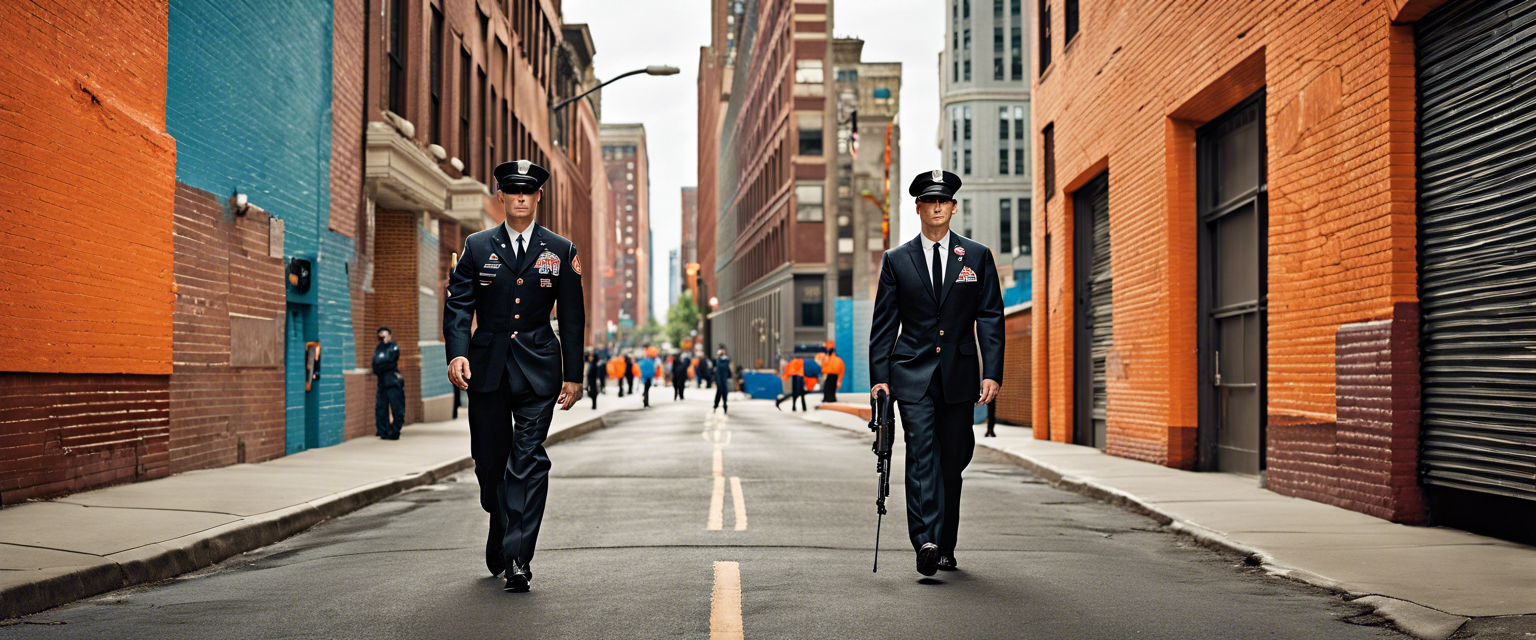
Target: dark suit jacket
x=912, y=333
x=514, y=303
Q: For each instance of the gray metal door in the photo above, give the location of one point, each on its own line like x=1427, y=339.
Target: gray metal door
x=1477, y=246
x=1094, y=335
x=1232, y=194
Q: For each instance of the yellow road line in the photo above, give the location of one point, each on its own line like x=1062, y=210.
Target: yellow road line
x=719, y=462
x=725, y=603
x=741, y=504
x=717, y=506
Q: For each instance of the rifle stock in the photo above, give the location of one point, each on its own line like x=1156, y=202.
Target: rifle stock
x=884, y=425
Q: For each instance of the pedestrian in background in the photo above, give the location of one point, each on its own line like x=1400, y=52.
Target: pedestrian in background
x=594, y=377
x=794, y=372
x=647, y=371
x=722, y=371
x=679, y=376
x=629, y=374
x=832, y=367
x=616, y=373
x=390, y=396
x=706, y=371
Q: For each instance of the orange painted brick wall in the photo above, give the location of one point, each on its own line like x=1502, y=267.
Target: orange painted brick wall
x=1013, y=400
x=87, y=188
x=1126, y=95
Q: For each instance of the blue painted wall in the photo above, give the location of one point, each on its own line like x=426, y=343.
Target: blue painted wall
x=248, y=100
x=1022, y=291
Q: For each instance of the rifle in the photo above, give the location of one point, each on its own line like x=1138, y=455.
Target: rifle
x=884, y=425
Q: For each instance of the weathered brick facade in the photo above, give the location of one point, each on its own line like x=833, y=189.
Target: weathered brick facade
x=395, y=301
x=221, y=413
x=1339, y=115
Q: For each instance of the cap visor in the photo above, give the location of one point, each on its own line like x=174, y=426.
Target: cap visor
x=937, y=191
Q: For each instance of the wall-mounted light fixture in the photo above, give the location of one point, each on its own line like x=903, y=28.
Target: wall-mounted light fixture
x=241, y=205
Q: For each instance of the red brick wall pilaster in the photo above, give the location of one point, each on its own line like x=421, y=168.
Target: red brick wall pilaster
x=1013, y=402
x=395, y=298
x=221, y=414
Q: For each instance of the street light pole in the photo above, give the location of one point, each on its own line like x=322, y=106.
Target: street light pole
x=653, y=70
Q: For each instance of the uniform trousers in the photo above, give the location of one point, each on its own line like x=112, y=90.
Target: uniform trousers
x=507, y=428
x=939, y=446
x=389, y=399
x=829, y=394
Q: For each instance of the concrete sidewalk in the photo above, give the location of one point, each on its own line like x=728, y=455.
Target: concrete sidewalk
x=1427, y=580
x=56, y=552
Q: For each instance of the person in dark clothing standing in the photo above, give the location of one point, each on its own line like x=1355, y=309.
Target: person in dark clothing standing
x=390, y=397
x=722, y=371
x=679, y=376
x=594, y=377
x=629, y=375
x=794, y=372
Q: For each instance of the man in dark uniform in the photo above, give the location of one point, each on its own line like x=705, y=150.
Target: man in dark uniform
x=390, y=397
x=594, y=377
x=722, y=371
x=679, y=376
x=515, y=368
x=938, y=299
x=629, y=375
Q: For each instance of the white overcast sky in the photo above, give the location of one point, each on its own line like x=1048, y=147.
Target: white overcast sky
x=629, y=35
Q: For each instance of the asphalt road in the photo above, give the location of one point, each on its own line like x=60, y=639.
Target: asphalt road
x=639, y=543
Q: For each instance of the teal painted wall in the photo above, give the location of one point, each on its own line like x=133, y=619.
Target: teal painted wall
x=248, y=100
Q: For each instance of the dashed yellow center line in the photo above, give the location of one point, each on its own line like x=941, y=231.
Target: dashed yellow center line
x=717, y=506
x=725, y=603
x=741, y=504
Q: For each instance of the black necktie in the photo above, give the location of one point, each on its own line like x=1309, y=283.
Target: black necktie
x=519, y=258
x=938, y=270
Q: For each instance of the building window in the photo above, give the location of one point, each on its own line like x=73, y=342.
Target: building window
x=810, y=134
x=811, y=312
x=997, y=51
x=397, y=57
x=1002, y=161
x=1026, y=230
x=967, y=5
x=464, y=64
x=965, y=216
x=967, y=123
x=1002, y=123
x=436, y=89
x=1018, y=161
x=1045, y=36
x=1071, y=17
x=484, y=129
x=997, y=9
x=808, y=78
x=967, y=67
x=1048, y=142
x=1018, y=123
x=808, y=202
x=967, y=162
x=1005, y=217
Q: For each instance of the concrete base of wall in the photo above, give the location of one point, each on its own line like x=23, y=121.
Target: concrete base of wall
x=437, y=408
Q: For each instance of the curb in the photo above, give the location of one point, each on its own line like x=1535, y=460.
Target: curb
x=168, y=559
x=1412, y=618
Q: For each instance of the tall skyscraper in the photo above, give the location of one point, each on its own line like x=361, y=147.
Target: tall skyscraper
x=984, y=125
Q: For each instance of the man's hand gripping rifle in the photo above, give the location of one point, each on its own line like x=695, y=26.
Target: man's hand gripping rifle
x=884, y=425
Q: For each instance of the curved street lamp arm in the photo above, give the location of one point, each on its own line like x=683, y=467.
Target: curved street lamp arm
x=621, y=76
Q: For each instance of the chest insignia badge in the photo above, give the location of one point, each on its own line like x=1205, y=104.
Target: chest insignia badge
x=545, y=283
x=576, y=265
x=548, y=264
x=959, y=250
x=493, y=257
x=966, y=275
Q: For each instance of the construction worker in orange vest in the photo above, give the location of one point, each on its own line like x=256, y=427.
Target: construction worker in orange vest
x=832, y=368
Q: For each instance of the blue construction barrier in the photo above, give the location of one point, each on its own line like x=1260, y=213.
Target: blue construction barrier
x=762, y=385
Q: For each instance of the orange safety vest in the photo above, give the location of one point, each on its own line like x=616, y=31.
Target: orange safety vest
x=833, y=366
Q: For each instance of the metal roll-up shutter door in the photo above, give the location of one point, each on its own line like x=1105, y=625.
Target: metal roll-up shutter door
x=1476, y=65
x=1101, y=287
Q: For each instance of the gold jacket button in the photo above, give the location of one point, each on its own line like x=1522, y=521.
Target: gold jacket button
x=520, y=301
x=941, y=332
x=937, y=349
x=517, y=317
x=519, y=280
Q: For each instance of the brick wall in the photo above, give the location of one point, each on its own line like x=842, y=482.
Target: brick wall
x=1368, y=460
x=1013, y=401
x=1339, y=112
x=395, y=296
x=61, y=433
x=347, y=47
x=221, y=414
x=86, y=189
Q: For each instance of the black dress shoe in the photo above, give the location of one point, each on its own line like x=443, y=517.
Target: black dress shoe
x=519, y=576
x=493, y=558
x=947, y=562
x=928, y=559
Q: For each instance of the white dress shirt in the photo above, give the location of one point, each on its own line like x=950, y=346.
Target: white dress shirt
x=512, y=236
x=928, y=258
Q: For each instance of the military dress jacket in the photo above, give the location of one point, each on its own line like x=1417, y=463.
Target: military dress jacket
x=514, y=303
x=913, y=332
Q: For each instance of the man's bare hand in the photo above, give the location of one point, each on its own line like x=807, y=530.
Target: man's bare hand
x=570, y=393
x=875, y=390
x=458, y=372
x=989, y=389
